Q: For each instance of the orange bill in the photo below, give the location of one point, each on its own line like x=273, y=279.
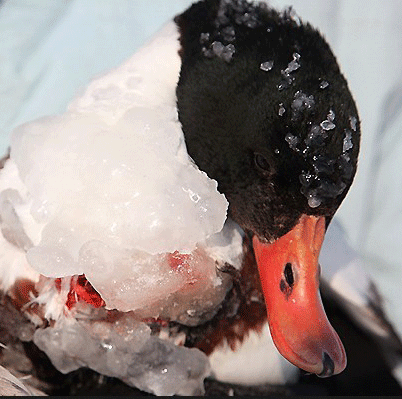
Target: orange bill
x=289, y=273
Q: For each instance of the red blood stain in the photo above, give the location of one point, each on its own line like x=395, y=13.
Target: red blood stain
x=81, y=290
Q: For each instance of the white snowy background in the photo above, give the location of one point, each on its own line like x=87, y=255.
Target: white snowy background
x=50, y=49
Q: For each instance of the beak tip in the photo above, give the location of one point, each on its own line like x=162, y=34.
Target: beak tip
x=333, y=365
x=328, y=366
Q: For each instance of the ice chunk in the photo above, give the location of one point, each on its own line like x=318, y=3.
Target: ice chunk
x=292, y=140
x=293, y=65
x=327, y=125
x=125, y=349
x=108, y=190
x=353, y=122
x=313, y=201
x=222, y=51
x=324, y=84
x=267, y=65
x=302, y=103
x=117, y=184
x=347, y=141
x=166, y=284
x=218, y=48
x=316, y=137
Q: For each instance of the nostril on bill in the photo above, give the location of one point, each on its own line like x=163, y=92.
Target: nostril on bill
x=328, y=366
x=288, y=272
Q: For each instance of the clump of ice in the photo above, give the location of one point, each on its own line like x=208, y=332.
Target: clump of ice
x=347, y=141
x=108, y=190
x=302, y=103
x=293, y=65
x=329, y=124
x=287, y=78
x=127, y=185
x=266, y=66
x=324, y=84
x=220, y=50
x=292, y=140
x=353, y=122
x=125, y=349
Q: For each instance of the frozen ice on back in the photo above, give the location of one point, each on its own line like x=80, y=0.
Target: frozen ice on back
x=110, y=186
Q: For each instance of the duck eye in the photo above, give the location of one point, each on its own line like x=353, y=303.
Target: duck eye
x=262, y=162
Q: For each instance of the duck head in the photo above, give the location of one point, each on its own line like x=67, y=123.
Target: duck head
x=266, y=112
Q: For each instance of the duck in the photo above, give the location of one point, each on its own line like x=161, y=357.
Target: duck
x=266, y=112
